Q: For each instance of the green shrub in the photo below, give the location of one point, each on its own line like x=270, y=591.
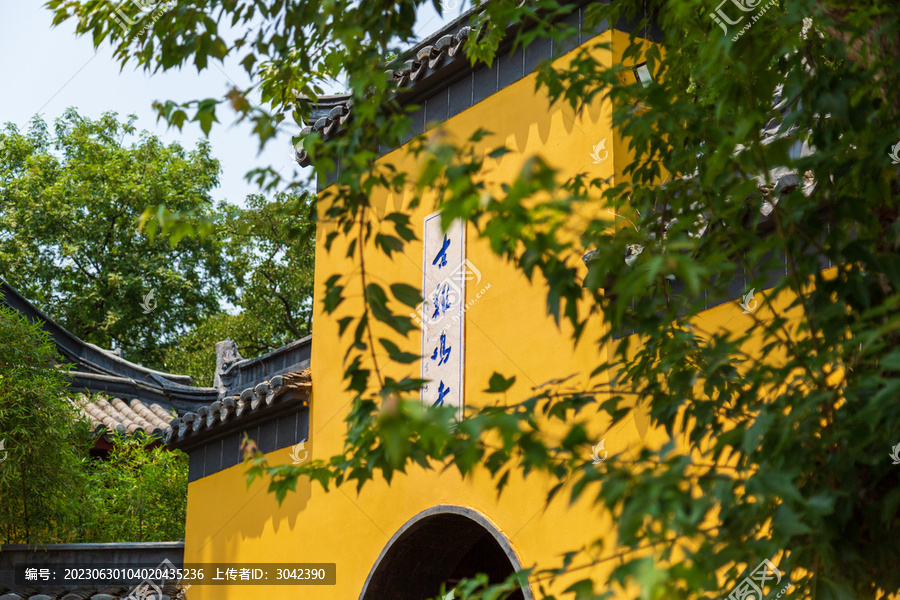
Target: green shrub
x=41, y=469
x=137, y=494
x=51, y=490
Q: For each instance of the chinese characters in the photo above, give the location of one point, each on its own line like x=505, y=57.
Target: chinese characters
x=445, y=271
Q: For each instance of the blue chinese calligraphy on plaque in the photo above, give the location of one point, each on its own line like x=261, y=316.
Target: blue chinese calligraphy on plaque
x=444, y=276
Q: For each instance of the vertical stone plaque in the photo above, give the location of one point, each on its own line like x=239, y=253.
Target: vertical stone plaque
x=444, y=270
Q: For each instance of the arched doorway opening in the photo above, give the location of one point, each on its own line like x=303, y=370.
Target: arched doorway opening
x=443, y=544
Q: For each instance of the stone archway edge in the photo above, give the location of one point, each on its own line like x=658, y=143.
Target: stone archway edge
x=471, y=513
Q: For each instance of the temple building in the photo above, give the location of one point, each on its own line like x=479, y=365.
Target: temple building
x=428, y=528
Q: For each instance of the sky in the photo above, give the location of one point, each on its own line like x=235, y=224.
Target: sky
x=46, y=70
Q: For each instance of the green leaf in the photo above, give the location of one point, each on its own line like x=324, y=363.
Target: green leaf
x=406, y=294
x=498, y=383
x=395, y=353
x=377, y=300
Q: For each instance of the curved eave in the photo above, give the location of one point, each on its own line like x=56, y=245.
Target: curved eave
x=237, y=412
x=92, y=358
x=434, y=60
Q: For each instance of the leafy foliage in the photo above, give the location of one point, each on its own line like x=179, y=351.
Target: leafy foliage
x=69, y=241
x=42, y=447
x=270, y=245
x=136, y=494
x=788, y=422
x=73, y=207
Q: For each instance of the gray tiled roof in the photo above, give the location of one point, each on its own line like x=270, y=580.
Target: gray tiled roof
x=86, y=592
x=116, y=415
x=91, y=369
x=235, y=374
x=233, y=408
x=331, y=112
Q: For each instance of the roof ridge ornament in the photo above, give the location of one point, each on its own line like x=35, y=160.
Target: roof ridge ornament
x=227, y=355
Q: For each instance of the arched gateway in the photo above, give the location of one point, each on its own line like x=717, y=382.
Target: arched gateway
x=445, y=543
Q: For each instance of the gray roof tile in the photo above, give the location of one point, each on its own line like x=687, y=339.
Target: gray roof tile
x=336, y=109
x=234, y=407
x=115, y=414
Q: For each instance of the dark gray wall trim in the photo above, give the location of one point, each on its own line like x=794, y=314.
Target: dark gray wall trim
x=279, y=431
x=290, y=358
x=458, y=86
x=196, y=462
x=63, y=555
x=95, y=547
x=737, y=288
x=470, y=513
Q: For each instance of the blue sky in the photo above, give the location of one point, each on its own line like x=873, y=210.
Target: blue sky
x=45, y=70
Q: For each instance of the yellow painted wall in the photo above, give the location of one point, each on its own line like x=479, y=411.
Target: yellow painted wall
x=507, y=331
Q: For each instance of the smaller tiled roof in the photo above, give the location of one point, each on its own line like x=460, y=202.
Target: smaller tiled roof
x=427, y=57
x=86, y=592
x=230, y=409
x=425, y=61
x=115, y=415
